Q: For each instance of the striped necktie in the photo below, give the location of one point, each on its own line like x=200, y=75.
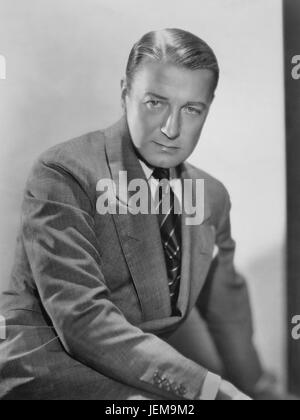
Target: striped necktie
x=170, y=229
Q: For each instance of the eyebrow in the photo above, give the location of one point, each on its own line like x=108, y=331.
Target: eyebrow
x=166, y=99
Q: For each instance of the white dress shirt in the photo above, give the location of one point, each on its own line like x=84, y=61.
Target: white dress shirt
x=176, y=182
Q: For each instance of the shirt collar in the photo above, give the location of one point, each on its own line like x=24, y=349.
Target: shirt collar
x=149, y=171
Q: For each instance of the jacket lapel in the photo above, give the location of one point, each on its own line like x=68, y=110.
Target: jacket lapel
x=139, y=234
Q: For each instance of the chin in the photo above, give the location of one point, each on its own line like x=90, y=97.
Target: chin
x=167, y=165
x=162, y=160
x=165, y=162
x=172, y=161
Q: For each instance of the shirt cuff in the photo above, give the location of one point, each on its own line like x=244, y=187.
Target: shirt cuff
x=211, y=386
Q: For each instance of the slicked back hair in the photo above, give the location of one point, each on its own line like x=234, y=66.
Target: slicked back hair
x=174, y=46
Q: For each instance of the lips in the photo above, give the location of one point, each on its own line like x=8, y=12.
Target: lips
x=163, y=146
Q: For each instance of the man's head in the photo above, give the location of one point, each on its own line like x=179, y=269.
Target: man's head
x=170, y=82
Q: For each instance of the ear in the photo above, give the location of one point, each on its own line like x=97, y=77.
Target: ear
x=211, y=102
x=124, y=92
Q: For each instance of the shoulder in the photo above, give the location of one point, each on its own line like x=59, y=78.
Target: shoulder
x=213, y=186
x=81, y=157
x=69, y=169
x=77, y=152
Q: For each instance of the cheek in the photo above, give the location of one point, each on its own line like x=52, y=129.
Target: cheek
x=145, y=129
x=147, y=125
x=141, y=126
x=191, y=135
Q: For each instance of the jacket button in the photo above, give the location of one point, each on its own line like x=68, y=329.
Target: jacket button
x=174, y=387
x=168, y=387
x=182, y=390
x=156, y=374
x=166, y=384
x=157, y=380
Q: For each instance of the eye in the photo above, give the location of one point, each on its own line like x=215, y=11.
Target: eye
x=152, y=104
x=193, y=111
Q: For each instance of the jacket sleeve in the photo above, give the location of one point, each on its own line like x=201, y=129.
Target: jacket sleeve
x=225, y=305
x=59, y=236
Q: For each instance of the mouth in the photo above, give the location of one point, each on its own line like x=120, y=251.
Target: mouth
x=165, y=148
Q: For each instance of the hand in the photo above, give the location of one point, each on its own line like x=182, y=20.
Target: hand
x=268, y=389
x=229, y=392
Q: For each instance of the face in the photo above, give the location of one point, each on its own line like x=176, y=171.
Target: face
x=166, y=109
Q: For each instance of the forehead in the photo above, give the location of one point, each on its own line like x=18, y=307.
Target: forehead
x=174, y=82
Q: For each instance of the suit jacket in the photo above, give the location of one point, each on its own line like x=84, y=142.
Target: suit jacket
x=93, y=288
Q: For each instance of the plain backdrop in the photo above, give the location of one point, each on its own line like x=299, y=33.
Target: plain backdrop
x=65, y=59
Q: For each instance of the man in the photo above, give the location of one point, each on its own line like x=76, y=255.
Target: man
x=96, y=295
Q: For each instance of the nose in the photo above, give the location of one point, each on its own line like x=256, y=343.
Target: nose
x=171, y=127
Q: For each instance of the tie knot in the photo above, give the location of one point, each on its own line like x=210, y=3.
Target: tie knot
x=161, y=173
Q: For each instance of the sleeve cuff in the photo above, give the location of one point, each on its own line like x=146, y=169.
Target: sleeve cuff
x=211, y=386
